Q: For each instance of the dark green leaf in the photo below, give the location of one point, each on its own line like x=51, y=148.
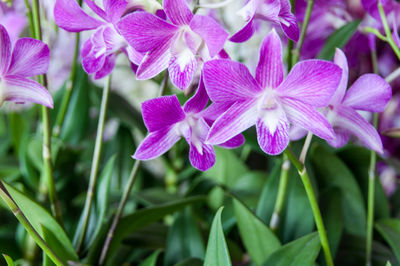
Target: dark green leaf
x=390, y=230
x=55, y=244
x=151, y=260
x=190, y=262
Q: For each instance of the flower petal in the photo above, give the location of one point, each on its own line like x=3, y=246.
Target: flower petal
x=213, y=34
x=245, y=33
x=21, y=90
x=288, y=21
x=182, y=68
x=5, y=50
x=239, y=117
x=114, y=9
x=269, y=71
x=30, y=57
x=341, y=138
x=215, y=110
x=312, y=82
x=249, y=10
x=234, y=142
x=354, y=123
x=178, y=11
x=197, y=103
x=369, y=92
x=69, y=16
x=275, y=141
x=107, y=68
x=93, y=52
x=296, y=133
x=144, y=31
x=156, y=143
x=96, y=9
x=230, y=81
x=162, y=112
x=305, y=116
x=340, y=60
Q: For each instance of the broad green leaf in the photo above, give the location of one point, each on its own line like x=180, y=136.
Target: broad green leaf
x=217, y=251
x=38, y=217
x=9, y=260
x=56, y=245
x=151, y=260
x=338, y=39
x=249, y=186
x=301, y=252
x=258, y=239
x=390, y=230
x=18, y=127
x=190, y=262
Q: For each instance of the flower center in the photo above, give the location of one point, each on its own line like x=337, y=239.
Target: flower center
x=191, y=126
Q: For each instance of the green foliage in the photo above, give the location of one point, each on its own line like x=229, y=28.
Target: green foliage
x=390, y=230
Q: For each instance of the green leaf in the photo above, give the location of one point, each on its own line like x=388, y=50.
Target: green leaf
x=39, y=217
x=151, y=260
x=56, y=245
x=301, y=252
x=9, y=260
x=390, y=230
x=217, y=251
x=338, y=39
x=190, y=262
x=258, y=239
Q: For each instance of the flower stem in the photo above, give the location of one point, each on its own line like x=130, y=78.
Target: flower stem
x=314, y=205
x=388, y=33
x=296, y=52
x=118, y=215
x=95, y=165
x=27, y=225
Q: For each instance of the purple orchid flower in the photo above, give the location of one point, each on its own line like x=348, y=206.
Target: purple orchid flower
x=12, y=19
x=269, y=101
x=368, y=93
x=28, y=58
x=178, y=45
x=100, y=50
x=277, y=11
x=167, y=122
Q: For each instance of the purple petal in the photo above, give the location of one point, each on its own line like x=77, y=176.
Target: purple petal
x=215, y=110
x=93, y=52
x=133, y=55
x=182, y=68
x=162, y=112
x=30, y=57
x=312, y=82
x=5, y=50
x=341, y=138
x=156, y=143
x=269, y=71
x=249, y=10
x=239, y=117
x=177, y=11
x=69, y=16
x=197, y=103
x=269, y=10
x=273, y=141
x=354, y=123
x=213, y=34
x=288, y=21
x=96, y=9
x=369, y=92
x=21, y=90
x=245, y=33
x=144, y=31
x=114, y=9
x=340, y=60
x=296, y=133
x=305, y=116
x=107, y=68
x=229, y=81
x=234, y=142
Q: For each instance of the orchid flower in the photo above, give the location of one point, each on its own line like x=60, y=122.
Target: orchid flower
x=12, y=19
x=268, y=101
x=175, y=44
x=100, y=50
x=277, y=11
x=368, y=93
x=28, y=58
x=167, y=122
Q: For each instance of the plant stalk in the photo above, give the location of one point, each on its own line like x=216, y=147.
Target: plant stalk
x=388, y=32
x=296, y=52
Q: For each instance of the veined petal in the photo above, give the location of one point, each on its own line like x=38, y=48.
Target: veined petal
x=94, y=52
x=274, y=141
x=178, y=11
x=305, y=116
x=182, y=68
x=96, y=9
x=351, y=121
x=114, y=9
x=213, y=34
x=288, y=21
x=197, y=103
x=312, y=82
x=133, y=55
x=215, y=110
x=5, y=50
x=245, y=33
x=340, y=60
x=108, y=66
x=296, y=133
x=157, y=143
x=248, y=11
x=239, y=117
x=30, y=57
x=69, y=16
x=162, y=112
x=145, y=32
x=369, y=92
x=234, y=142
x=341, y=138
x=229, y=81
x=21, y=90
x=269, y=10
x=269, y=71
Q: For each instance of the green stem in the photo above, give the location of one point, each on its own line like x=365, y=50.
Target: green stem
x=118, y=215
x=314, y=205
x=296, y=52
x=27, y=225
x=95, y=165
x=46, y=149
x=388, y=32
x=30, y=17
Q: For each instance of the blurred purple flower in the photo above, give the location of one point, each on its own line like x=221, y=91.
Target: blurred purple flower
x=269, y=101
x=13, y=19
x=176, y=44
x=28, y=58
x=277, y=11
